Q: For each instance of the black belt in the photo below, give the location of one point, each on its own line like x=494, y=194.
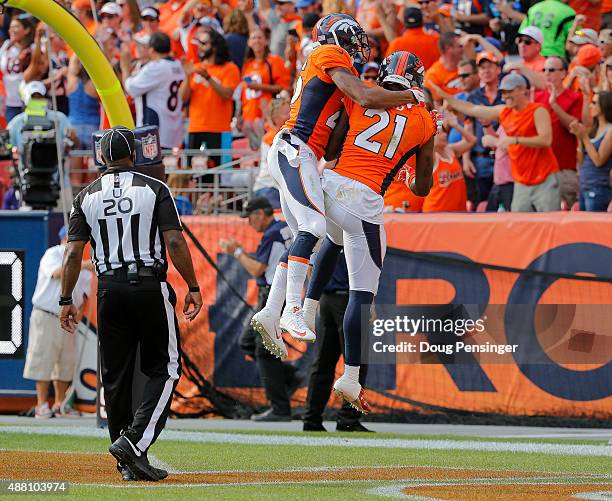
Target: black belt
x=484, y=154
x=121, y=273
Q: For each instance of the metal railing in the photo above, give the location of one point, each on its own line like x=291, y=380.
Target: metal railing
x=216, y=190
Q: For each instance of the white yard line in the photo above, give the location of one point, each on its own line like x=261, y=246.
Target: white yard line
x=309, y=441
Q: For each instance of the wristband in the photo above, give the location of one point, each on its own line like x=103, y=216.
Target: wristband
x=65, y=301
x=194, y=289
x=237, y=252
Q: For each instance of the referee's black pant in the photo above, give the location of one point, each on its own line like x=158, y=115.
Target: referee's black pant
x=130, y=315
x=330, y=345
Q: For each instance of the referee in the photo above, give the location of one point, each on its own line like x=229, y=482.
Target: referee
x=130, y=219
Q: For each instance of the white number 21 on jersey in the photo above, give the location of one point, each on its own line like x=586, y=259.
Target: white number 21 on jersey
x=363, y=140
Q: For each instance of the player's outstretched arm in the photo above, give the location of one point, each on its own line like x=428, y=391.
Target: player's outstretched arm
x=337, y=137
x=368, y=96
x=424, y=168
x=483, y=112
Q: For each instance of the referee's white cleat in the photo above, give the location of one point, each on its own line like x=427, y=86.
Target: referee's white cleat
x=293, y=322
x=353, y=393
x=266, y=325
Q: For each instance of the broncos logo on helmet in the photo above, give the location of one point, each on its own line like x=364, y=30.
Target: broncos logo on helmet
x=403, y=68
x=342, y=30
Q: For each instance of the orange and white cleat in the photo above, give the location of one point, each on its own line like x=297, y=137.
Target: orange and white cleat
x=353, y=393
x=293, y=322
x=266, y=325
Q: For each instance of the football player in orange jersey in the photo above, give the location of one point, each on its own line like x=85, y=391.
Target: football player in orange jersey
x=326, y=77
x=377, y=145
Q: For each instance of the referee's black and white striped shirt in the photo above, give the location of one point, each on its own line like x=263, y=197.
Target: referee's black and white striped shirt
x=124, y=213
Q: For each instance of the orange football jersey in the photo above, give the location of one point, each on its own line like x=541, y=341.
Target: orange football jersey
x=315, y=106
x=380, y=142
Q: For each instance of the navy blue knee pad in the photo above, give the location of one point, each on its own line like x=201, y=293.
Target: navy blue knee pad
x=324, y=267
x=352, y=325
x=303, y=244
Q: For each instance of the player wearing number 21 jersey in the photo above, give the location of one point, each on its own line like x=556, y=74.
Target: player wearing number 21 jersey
x=327, y=76
x=155, y=89
x=378, y=144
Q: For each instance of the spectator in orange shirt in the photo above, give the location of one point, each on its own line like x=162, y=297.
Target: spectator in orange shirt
x=443, y=73
x=449, y=192
x=528, y=141
x=529, y=42
x=416, y=40
x=264, y=75
x=209, y=86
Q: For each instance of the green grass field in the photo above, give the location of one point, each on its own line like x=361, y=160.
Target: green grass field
x=321, y=464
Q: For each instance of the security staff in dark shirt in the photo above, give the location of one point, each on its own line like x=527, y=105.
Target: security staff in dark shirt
x=330, y=341
x=279, y=379
x=130, y=219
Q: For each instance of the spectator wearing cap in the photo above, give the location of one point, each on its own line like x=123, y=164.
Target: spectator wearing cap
x=149, y=18
x=110, y=16
x=280, y=19
x=416, y=40
x=554, y=20
x=35, y=91
x=443, y=73
x=473, y=16
x=369, y=72
x=478, y=162
x=528, y=142
x=209, y=85
x=279, y=379
x=584, y=71
x=51, y=353
x=155, y=89
x=564, y=106
x=529, y=42
x=579, y=39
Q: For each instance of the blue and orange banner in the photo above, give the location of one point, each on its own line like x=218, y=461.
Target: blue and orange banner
x=563, y=243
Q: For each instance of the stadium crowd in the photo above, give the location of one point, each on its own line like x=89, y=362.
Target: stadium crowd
x=208, y=71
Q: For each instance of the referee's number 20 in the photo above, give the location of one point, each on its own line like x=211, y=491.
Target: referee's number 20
x=124, y=205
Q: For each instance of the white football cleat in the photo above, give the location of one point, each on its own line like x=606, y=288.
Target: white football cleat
x=292, y=321
x=353, y=393
x=266, y=325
